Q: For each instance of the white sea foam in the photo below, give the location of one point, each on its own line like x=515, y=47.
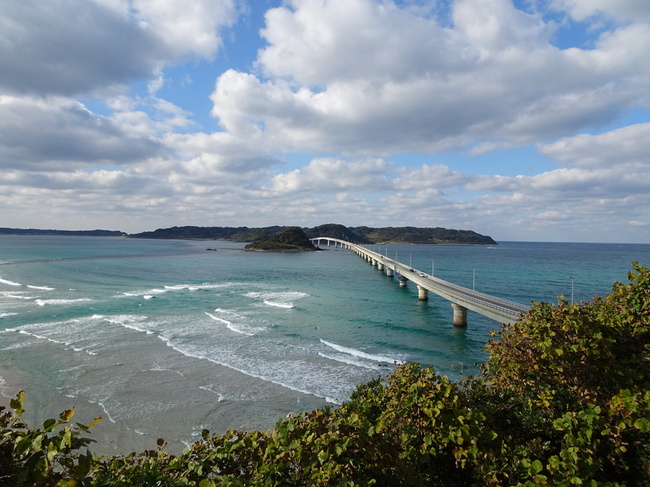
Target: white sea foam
x=16, y=296
x=196, y=287
x=278, y=299
x=43, y=302
x=231, y=326
x=66, y=344
x=346, y=359
x=148, y=292
x=5, y=315
x=128, y=321
x=180, y=287
x=279, y=304
x=43, y=288
x=201, y=355
x=101, y=404
x=227, y=311
x=220, y=397
x=9, y=283
x=359, y=353
x=162, y=369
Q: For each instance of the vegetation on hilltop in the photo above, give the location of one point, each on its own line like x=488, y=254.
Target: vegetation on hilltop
x=362, y=235
x=75, y=233
x=564, y=399
x=236, y=234
x=415, y=235
x=291, y=239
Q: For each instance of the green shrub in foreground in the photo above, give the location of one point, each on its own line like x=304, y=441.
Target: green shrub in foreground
x=562, y=400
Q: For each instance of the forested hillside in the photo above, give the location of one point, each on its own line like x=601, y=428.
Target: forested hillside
x=363, y=235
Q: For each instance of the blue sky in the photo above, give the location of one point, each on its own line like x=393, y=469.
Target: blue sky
x=525, y=120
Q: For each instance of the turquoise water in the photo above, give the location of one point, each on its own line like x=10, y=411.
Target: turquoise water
x=163, y=338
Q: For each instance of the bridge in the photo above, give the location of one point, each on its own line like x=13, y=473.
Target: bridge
x=462, y=298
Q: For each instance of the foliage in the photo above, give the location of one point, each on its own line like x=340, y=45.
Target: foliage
x=573, y=385
x=291, y=239
x=562, y=400
x=68, y=233
x=43, y=456
x=361, y=235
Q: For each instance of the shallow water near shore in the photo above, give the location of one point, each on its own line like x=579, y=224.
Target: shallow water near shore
x=164, y=338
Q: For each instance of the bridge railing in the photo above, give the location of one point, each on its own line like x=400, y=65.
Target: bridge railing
x=483, y=299
x=478, y=294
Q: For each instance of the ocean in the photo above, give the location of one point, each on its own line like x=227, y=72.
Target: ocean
x=163, y=338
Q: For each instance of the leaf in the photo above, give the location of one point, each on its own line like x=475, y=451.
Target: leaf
x=642, y=424
x=49, y=424
x=18, y=403
x=67, y=414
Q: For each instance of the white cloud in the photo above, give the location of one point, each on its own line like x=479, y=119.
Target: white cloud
x=637, y=223
x=318, y=43
x=430, y=177
x=58, y=133
x=366, y=77
x=620, y=148
x=329, y=175
x=69, y=47
x=622, y=10
x=186, y=27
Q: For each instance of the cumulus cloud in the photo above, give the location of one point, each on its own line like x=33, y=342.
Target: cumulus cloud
x=428, y=177
x=624, y=146
x=625, y=10
x=68, y=47
x=59, y=133
x=362, y=76
x=331, y=175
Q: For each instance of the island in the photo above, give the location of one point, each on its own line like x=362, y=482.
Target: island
x=291, y=239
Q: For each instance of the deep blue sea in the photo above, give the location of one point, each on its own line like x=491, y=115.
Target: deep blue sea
x=164, y=338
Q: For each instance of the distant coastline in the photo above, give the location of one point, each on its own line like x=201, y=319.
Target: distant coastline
x=74, y=233
x=360, y=235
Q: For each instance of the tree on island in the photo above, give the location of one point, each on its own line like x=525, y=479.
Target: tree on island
x=563, y=399
x=291, y=239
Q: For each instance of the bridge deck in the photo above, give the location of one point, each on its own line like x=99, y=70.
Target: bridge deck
x=499, y=309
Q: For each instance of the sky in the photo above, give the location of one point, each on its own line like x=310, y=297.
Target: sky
x=523, y=120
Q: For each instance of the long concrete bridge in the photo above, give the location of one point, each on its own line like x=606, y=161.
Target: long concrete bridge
x=462, y=298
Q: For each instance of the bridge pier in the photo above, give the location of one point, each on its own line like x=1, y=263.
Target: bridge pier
x=460, y=315
x=504, y=312
x=423, y=293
